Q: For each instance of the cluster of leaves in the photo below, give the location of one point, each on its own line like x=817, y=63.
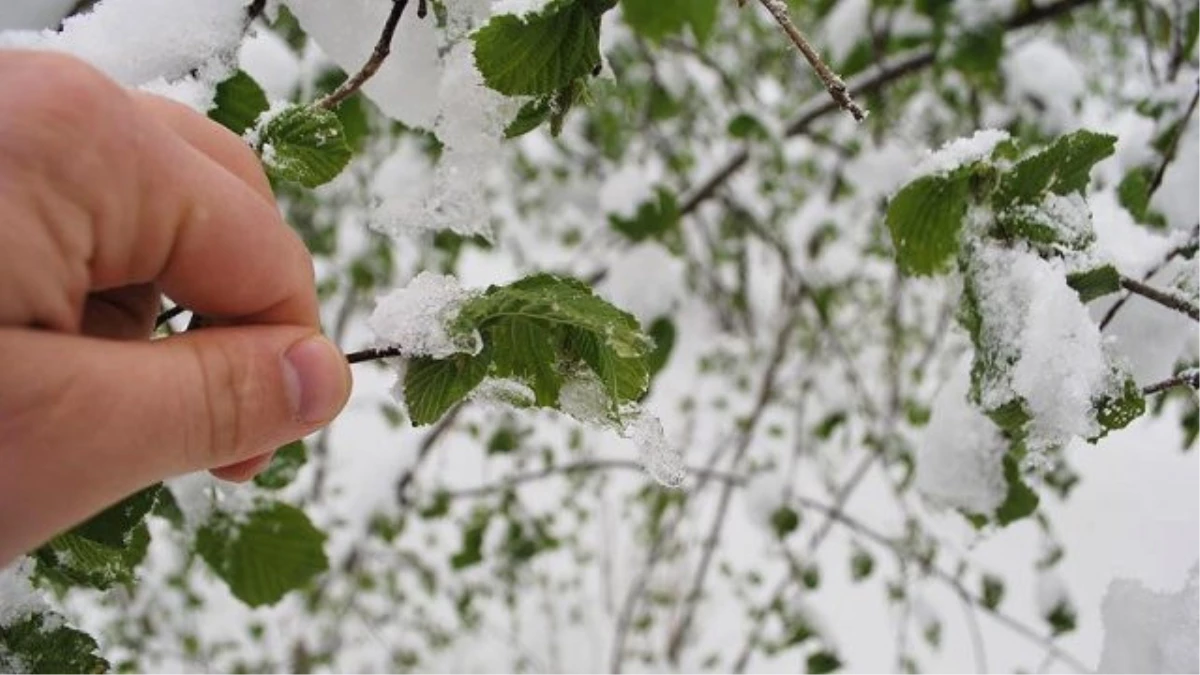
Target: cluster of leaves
x=260, y=554
x=930, y=225
x=541, y=331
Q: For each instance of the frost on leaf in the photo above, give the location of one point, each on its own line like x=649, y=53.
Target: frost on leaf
x=962, y=152
x=544, y=341
x=416, y=319
x=1037, y=348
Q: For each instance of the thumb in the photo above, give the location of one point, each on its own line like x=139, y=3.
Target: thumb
x=84, y=422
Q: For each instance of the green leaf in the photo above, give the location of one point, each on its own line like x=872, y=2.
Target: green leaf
x=992, y=591
x=1117, y=410
x=1134, y=195
x=304, y=145
x=43, y=643
x=657, y=19
x=978, y=51
x=73, y=560
x=263, y=554
x=238, y=103
x=1095, y=283
x=284, y=467
x=784, y=521
x=525, y=349
x=538, y=53
x=529, y=117
x=471, y=552
x=662, y=331
x=431, y=386
x=925, y=218
x=653, y=218
x=114, y=526
x=1062, y=618
x=1020, y=500
x=824, y=661
x=606, y=339
x=1062, y=168
x=861, y=565
x=746, y=127
x=553, y=107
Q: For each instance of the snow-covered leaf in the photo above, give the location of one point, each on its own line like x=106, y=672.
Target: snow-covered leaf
x=42, y=643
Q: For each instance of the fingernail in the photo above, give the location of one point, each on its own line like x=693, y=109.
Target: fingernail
x=315, y=373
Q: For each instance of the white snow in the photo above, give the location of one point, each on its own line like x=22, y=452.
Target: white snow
x=32, y=15
x=962, y=151
x=1032, y=319
x=518, y=7
x=1149, y=632
x=153, y=43
x=1042, y=75
x=959, y=463
x=406, y=87
x=661, y=459
x=18, y=598
x=470, y=123
x=414, y=318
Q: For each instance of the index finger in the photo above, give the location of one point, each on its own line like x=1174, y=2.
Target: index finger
x=156, y=209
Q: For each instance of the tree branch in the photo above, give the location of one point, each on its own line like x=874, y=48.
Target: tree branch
x=833, y=83
x=1187, y=378
x=865, y=83
x=765, y=394
x=1186, y=249
x=582, y=466
x=1173, y=148
x=1165, y=298
x=380, y=53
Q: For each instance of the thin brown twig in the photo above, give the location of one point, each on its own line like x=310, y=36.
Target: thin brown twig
x=766, y=393
x=832, y=81
x=865, y=83
x=378, y=55
x=1188, y=378
x=1164, y=298
x=1172, y=149
x=1186, y=249
x=582, y=466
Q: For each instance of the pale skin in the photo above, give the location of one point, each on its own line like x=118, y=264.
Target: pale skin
x=108, y=200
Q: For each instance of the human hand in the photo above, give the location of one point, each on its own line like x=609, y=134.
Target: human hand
x=108, y=199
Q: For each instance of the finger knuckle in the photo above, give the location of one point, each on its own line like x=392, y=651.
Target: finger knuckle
x=222, y=429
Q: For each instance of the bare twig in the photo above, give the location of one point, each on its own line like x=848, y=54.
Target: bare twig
x=1164, y=298
x=1186, y=249
x=1188, y=378
x=866, y=83
x=1012, y=624
x=423, y=452
x=766, y=392
x=1169, y=152
x=583, y=466
x=380, y=53
x=833, y=83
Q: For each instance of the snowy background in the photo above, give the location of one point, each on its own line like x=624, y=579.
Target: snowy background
x=1129, y=533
